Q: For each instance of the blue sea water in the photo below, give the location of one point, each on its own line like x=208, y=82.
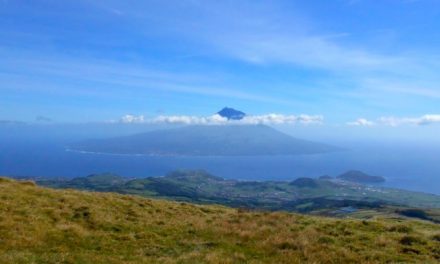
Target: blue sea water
x=406, y=166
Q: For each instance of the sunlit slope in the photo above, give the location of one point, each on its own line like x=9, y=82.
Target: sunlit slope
x=39, y=225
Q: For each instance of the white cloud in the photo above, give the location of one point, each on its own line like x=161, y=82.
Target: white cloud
x=282, y=119
x=132, y=119
x=361, y=122
x=219, y=120
x=190, y=120
x=422, y=120
x=391, y=121
x=429, y=119
x=398, y=121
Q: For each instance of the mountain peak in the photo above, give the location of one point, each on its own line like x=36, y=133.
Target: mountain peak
x=231, y=113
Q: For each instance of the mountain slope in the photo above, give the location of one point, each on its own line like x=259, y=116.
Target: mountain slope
x=39, y=225
x=215, y=140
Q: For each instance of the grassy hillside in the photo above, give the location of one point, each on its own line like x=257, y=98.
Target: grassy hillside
x=39, y=225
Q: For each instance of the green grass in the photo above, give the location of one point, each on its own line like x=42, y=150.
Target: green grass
x=41, y=225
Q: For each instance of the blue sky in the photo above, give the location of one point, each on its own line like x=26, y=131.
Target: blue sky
x=351, y=62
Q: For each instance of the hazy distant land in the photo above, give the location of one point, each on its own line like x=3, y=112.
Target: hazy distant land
x=210, y=140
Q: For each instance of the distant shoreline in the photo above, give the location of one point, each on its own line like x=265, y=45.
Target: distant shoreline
x=111, y=154
x=190, y=156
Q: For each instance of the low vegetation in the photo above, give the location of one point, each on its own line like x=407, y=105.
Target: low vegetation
x=40, y=225
x=304, y=195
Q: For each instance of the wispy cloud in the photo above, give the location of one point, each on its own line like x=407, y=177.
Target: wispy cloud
x=268, y=52
x=257, y=33
x=43, y=119
x=265, y=34
x=123, y=77
x=361, y=122
x=130, y=119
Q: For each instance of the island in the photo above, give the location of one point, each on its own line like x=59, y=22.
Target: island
x=360, y=177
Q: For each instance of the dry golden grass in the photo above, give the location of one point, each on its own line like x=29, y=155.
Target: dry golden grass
x=39, y=225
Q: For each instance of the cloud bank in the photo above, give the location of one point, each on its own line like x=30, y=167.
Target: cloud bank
x=268, y=119
x=398, y=121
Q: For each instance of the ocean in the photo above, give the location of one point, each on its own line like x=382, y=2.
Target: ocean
x=405, y=166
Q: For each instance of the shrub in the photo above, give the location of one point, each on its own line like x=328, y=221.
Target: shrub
x=407, y=250
x=286, y=245
x=436, y=237
x=410, y=240
x=401, y=229
x=326, y=240
x=417, y=213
